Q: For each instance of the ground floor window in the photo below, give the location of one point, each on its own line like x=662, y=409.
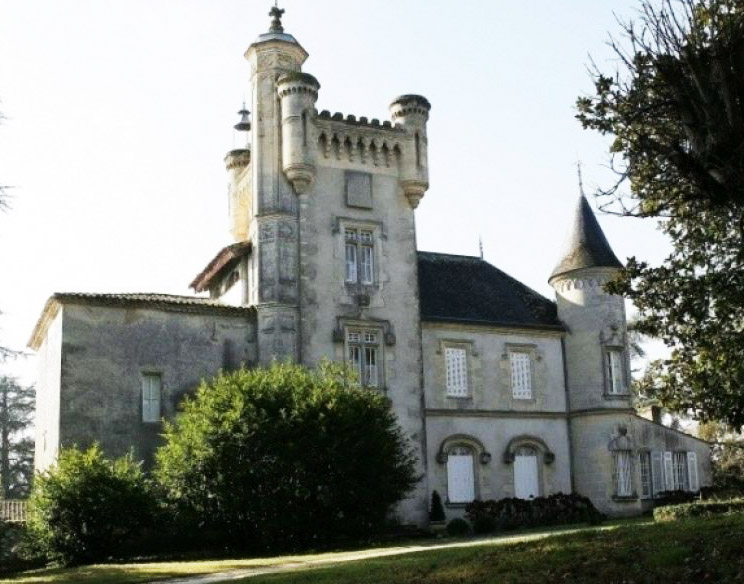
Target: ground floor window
x=644, y=462
x=460, y=475
x=623, y=478
x=526, y=476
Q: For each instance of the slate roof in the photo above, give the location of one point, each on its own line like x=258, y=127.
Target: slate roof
x=586, y=246
x=467, y=289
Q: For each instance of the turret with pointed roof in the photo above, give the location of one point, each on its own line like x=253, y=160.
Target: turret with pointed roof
x=586, y=245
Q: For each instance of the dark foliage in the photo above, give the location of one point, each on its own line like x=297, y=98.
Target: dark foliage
x=676, y=113
x=698, y=509
x=285, y=458
x=86, y=506
x=512, y=513
x=436, y=512
x=458, y=527
x=666, y=498
x=17, y=405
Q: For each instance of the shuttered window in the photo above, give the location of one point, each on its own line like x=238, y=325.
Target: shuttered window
x=623, y=477
x=151, y=389
x=456, y=365
x=692, y=471
x=644, y=462
x=657, y=472
x=520, y=363
x=614, y=369
x=679, y=461
x=460, y=475
x=526, y=481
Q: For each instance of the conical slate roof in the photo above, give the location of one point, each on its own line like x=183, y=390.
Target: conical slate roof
x=587, y=246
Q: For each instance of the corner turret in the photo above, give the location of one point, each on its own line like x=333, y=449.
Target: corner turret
x=596, y=354
x=411, y=112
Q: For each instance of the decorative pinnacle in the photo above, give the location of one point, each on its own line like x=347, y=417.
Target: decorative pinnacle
x=276, y=19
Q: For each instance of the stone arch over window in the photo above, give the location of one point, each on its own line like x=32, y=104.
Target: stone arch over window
x=461, y=455
x=526, y=441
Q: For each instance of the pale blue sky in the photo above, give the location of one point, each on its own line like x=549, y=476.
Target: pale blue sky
x=120, y=113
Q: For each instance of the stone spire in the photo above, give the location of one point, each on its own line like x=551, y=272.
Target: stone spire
x=587, y=246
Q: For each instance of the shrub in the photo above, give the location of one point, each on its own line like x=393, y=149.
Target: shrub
x=674, y=498
x=437, y=509
x=285, y=457
x=698, y=509
x=458, y=527
x=512, y=513
x=83, y=508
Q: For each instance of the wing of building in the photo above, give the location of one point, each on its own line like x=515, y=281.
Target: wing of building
x=502, y=392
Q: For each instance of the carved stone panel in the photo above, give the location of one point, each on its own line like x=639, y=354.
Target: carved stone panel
x=359, y=189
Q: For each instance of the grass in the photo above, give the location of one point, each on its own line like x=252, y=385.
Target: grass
x=638, y=551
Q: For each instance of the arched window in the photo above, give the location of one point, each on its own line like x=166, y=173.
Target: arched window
x=460, y=474
x=526, y=472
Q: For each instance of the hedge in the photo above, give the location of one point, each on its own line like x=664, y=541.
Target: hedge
x=699, y=509
x=512, y=513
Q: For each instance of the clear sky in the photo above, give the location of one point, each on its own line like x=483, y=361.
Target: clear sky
x=119, y=115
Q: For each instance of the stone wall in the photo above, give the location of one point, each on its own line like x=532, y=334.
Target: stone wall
x=106, y=351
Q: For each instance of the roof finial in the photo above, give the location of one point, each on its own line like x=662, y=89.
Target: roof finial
x=480, y=246
x=581, y=182
x=276, y=18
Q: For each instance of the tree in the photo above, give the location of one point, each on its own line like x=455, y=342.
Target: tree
x=17, y=405
x=675, y=110
x=85, y=507
x=728, y=457
x=285, y=457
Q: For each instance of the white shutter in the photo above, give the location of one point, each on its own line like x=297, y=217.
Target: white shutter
x=668, y=472
x=460, y=483
x=525, y=477
x=151, y=398
x=521, y=374
x=692, y=471
x=657, y=472
x=456, y=364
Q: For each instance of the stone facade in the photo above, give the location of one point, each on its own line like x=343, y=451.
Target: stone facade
x=501, y=392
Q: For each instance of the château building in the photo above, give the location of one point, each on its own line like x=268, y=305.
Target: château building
x=502, y=392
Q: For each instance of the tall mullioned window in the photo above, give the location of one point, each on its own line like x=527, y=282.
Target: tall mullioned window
x=614, y=371
x=363, y=351
x=359, y=255
x=520, y=364
x=456, y=365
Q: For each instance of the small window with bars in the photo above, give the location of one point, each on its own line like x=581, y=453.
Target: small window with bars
x=152, y=384
x=456, y=366
x=614, y=372
x=520, y=364
x=363, y=354
x=359, y=256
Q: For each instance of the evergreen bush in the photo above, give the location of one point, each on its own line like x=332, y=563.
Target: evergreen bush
x=86, y=506
x=436, y=512
x=513, y=513
x=698, y=509
x=285, y=457
x=458, y=527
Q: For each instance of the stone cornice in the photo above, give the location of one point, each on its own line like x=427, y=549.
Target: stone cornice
x=457, y=413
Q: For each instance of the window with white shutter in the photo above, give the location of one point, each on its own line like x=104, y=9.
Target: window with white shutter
x=657, y=472
x=460, y=475
x=644, y=462
x=681, y=481
x=456, y=366
x=623, y=477
x=692, y=471
x=151, y=390
x=668, y=471
x=520, y=363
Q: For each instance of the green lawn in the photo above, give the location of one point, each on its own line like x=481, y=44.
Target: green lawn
x=699, y=551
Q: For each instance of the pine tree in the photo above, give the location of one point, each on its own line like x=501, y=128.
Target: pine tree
x=16, y=446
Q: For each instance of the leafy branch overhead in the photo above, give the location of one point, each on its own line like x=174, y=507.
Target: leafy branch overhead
x=675, y=110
